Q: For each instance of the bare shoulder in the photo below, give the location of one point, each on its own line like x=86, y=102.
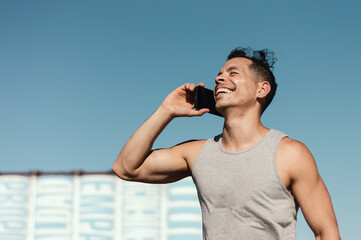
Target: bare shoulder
x=296, y=158
x=189, y=150
x=190, y=147
x=292, y=146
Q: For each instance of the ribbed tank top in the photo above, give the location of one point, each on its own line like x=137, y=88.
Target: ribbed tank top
x=241, y=193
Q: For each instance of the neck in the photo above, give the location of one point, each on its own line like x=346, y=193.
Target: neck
x=242, y=131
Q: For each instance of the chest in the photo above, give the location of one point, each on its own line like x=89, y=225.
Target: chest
x=234, y=180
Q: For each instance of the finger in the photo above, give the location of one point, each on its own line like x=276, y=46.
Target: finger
x=199, y=112
x=185, y=86
x=189, y=87
x=192, y=86
x=200, y=84
x=203, y=111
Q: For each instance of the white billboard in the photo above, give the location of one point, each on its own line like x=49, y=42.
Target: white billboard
x=96, y=207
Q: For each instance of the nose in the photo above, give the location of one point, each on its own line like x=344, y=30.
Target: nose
x=219, y=79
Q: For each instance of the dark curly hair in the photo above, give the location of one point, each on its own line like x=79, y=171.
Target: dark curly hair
x=262, y=63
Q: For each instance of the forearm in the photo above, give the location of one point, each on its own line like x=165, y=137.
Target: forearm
x=137, y=151
x=139, y=146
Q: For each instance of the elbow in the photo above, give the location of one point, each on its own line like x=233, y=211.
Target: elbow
x=116, y=170
x=328, y=233
x=119, y=170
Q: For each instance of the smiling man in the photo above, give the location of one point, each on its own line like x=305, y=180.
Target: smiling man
x=250, y=179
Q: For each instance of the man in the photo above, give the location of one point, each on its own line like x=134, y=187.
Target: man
x=250, y=179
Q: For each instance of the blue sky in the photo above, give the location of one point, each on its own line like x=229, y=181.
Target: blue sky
x=78, y=78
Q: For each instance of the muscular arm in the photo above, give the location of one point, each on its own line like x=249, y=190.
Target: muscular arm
x=310, y=191
x=138, y=162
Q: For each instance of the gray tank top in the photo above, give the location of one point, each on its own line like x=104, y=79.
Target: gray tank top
x=241, y=194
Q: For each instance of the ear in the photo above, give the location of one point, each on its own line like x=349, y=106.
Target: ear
x=263, y=89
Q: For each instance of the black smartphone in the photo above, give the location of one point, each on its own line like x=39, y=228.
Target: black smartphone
x=203, y=98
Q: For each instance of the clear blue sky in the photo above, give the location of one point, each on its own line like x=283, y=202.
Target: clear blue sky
x=77, y=78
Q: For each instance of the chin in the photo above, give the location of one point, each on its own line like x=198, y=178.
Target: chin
x=220, y=107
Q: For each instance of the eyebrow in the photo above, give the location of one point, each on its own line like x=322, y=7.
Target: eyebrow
x=229, y=69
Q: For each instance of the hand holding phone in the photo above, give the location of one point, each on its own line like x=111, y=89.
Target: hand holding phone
x=203, y=98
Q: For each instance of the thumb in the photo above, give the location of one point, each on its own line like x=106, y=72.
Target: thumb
x=199, y=112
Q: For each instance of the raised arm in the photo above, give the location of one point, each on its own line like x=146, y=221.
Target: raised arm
x=138, y=162
x=309, y=190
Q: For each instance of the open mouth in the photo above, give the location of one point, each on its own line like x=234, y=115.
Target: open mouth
x=222, y=91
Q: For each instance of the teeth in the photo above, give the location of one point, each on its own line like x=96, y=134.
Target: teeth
x=223, y=90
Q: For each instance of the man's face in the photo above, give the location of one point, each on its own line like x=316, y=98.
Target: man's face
x=235, y=85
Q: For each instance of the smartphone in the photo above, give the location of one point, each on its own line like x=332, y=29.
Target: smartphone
x=203, y=98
